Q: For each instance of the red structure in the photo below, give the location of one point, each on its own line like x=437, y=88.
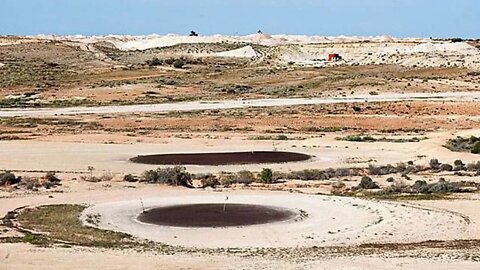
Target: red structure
x=334, y=57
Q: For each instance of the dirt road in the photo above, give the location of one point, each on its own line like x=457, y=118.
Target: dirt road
x=237, y=104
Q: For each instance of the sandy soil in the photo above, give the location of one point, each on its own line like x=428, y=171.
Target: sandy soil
x=13, y=256
x=232, y=91
x=433, y=217
x=325, y=225
x=327, y=152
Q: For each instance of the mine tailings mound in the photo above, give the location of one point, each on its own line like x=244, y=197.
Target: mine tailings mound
x=215, y=215
x=214, y=159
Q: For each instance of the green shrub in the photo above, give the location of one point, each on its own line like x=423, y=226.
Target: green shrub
x=440, y=187
x=178, y=64
x=315, y=174
x=476, y=147
x=464, y=144
x=353, y=138
x=266, y=176
x=367, y=183
x=420, y=186
x=443, y=187
x=358, y=138
x=34, y=239
x=150, y=176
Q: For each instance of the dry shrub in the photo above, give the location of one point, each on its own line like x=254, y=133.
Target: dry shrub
x=244, y=177
x=48, y=181
x=367, y=183
x=90, y=178
x=210, y=182
x=7, y=178
x=175, y=176
x=130, y=178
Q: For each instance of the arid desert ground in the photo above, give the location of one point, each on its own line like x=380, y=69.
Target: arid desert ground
x=367, y=160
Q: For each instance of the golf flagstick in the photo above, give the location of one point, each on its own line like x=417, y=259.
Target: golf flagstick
x=143, y=207
x=225, y=204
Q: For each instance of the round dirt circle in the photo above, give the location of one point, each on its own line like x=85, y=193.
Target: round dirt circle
x=211, y=215
x=216, y=159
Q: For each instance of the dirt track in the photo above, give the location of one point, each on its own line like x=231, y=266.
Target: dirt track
x=235, y=104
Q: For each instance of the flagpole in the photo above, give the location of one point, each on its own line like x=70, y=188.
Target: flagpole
x=225, y=204
x=143, y=207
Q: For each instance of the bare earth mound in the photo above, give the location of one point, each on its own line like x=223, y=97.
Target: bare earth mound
x=215, y=159
x=215, y=215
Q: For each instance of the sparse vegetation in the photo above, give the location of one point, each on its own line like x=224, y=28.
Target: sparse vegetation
x=178, y=63
x=476, y=147
x=208, y=180
x=62, y=223
x=154, y=62
x=315, y=174
x=174, y=176
x=266, y=176
x=463, y=144
x=95, y=179
x=420, y=190
x=7, y=178
x=357, y=138
x=244, y=177
x=280, y=137
x=169, y=61
x=35, y=239
x=93, y=219
x=422, y=187
x=367, y=138
x=130, y=178
x=49, y=180
x=367, y=183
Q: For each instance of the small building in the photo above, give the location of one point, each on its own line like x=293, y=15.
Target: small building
x=334, y=57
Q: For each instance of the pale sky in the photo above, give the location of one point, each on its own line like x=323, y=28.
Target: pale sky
x=401, y=18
